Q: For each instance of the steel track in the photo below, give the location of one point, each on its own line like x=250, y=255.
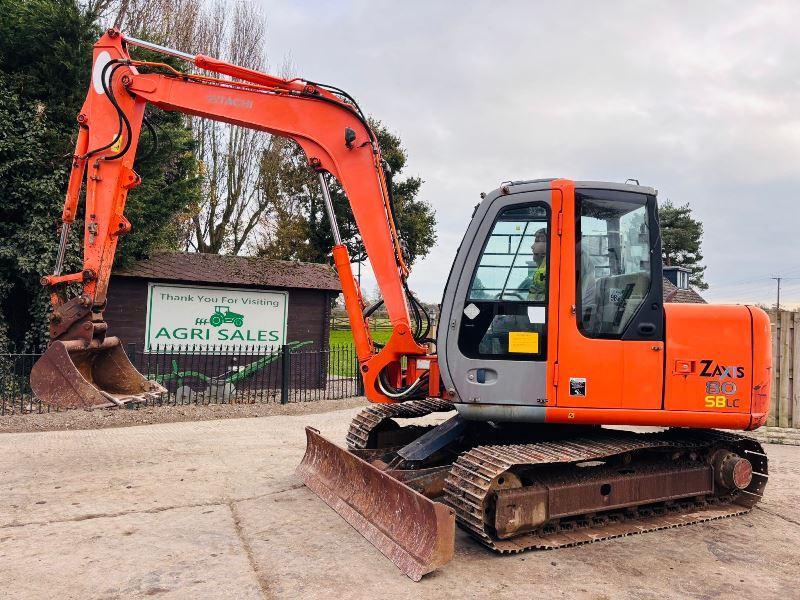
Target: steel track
x=469, y=485
x=366, y=421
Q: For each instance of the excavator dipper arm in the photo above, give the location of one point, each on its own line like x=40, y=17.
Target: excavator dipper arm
x=327, y=125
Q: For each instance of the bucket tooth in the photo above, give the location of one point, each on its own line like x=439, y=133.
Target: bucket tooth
x=414, y=532
x=111, y=398
x=71, y=374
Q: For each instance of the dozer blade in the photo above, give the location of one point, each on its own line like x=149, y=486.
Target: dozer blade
x=72, y=375
x=414, y=532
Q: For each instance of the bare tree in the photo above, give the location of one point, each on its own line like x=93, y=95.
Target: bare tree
x=233, y=199
x=230, y=156
x=168, y=22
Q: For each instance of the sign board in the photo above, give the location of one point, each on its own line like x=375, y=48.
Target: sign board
x=180, y=316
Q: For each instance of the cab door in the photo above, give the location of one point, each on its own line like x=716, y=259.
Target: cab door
x=496, y=329
x=611, y=323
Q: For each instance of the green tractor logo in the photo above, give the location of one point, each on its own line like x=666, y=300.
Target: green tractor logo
x=223, y=314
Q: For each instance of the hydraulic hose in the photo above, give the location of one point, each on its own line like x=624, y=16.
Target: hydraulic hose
x=387, y=389
x=123, y=117
x=116, y=64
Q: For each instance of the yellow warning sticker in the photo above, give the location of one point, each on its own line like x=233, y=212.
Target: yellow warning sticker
x=523, y=341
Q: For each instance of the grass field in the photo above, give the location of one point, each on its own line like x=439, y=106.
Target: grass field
x=344, y=337
x=343, y=364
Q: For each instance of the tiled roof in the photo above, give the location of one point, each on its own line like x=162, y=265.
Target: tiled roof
x=673, y=294
x=233, y=270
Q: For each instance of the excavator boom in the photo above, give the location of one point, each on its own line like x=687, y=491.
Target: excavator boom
x=325, y=122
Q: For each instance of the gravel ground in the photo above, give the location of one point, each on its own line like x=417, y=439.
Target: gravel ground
x=212, y=509
x=99, y=419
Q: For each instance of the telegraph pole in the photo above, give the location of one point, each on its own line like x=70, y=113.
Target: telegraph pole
x=778, y=304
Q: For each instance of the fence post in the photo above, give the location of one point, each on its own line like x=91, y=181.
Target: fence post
x=286, y=372
x=359, y=376
x=784, y=360
x=775, y=323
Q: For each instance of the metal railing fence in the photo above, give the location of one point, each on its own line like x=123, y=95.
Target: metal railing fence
x=193, y=375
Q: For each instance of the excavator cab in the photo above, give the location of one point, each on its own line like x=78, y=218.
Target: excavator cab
x=551, y=290
x=555, y=312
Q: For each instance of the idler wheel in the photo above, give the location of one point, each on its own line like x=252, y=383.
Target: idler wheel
x=731, y=471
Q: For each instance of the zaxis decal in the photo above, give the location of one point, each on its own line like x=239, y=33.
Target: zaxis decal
x=712, y=369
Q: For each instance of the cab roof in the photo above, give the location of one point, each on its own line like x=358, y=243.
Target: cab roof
x=544, y=184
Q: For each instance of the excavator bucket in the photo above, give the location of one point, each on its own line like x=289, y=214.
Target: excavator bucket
x=414, y=532
x=72, y=375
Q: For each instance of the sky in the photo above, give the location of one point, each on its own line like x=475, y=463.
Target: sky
x=700, y=100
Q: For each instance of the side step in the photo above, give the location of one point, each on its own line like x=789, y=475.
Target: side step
x=380, y=507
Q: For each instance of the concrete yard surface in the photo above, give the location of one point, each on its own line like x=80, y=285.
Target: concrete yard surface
x=212, y=509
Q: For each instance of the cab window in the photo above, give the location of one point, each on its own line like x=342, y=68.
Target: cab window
x=613, y=264
x=513, y=264
x=505, y=309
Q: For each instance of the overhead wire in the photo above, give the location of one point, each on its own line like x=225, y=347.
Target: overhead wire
x=757, y=280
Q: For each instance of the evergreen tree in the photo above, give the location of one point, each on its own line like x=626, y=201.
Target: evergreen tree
x=45, y=69
x=681, y=239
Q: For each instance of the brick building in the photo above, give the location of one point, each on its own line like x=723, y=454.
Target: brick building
x=677, y=288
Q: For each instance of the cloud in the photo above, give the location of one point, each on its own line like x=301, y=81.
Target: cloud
x=699, y=100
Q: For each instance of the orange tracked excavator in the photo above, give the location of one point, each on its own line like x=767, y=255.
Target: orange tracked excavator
x=552, y=326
